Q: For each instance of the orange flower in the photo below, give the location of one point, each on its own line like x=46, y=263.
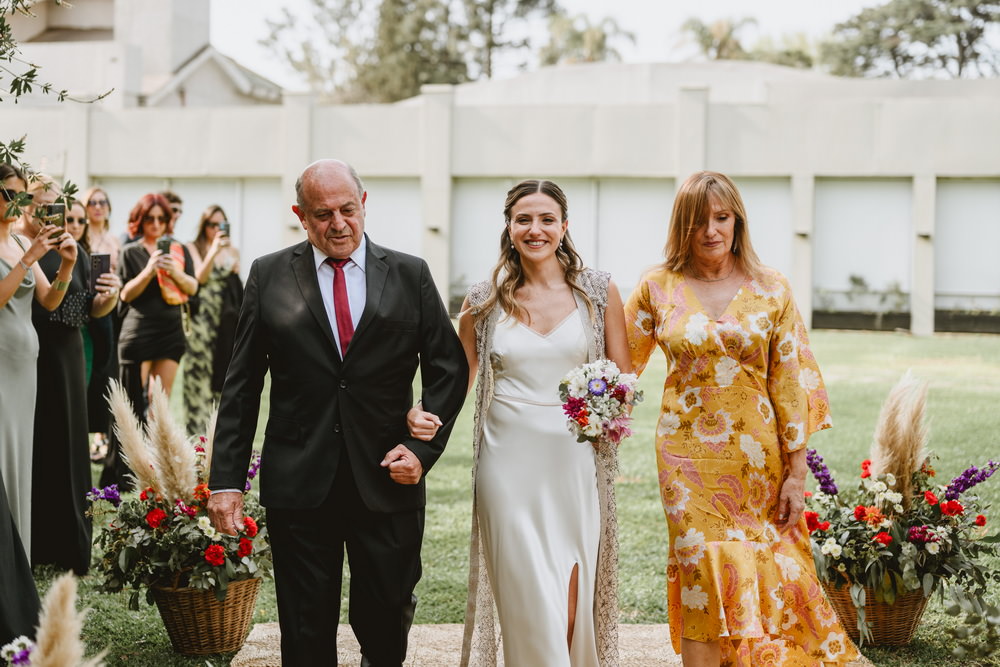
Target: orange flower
x=201, y=492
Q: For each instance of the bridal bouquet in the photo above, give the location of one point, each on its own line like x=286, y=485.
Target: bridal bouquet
x=164, y=537
x=900, y=530
x=596, y=397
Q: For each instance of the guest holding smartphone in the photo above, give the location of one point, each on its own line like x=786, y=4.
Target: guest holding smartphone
x=60, y=472
x=22, y=280
x=213, y=324
x=158, y=274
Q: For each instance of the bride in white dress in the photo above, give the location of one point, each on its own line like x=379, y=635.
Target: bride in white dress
x=544, y=542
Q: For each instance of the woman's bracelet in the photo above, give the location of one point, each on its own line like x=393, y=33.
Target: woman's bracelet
x=27, y=269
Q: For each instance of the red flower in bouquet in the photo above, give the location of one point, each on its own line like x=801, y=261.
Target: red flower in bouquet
x=883, y=538
x=201, y=492
x=951, y=508
x=866, y=468
x=596, y=398
x=813, y=522
x=250, y=526
x=215, y=555
x=980, y=520
x=155, y=517
x=245, y=548
x=930, y=498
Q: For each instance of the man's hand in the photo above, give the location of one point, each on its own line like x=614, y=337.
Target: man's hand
x=225, y=509
x=423, y=425
x=404, y=466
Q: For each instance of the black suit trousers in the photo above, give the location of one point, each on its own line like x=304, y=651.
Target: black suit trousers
x=383, y=551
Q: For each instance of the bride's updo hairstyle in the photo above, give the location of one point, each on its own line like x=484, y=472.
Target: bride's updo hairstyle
x=508, y=274
x=692, y=206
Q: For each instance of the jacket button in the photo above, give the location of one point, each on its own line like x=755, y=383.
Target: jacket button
x=336, y=428
x=343, y=384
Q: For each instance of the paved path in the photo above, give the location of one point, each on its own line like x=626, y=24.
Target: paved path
x=440, y=646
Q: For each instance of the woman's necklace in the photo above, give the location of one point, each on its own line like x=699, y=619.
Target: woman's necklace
x=714, y=280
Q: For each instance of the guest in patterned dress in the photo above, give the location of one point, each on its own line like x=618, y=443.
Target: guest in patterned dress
x=742, y=395
x=213, y=323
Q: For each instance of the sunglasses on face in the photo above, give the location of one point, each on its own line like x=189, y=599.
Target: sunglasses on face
x=97, y=202
x=177, y=210
x=213, y=225
x=70, y=219
x=10, y=195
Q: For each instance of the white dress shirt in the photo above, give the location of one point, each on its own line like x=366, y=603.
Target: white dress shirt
x=354, y=276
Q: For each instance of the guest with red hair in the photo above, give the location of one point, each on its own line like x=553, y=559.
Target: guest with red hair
x=158, y=283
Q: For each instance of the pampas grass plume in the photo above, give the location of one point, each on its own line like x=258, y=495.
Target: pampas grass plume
x=58, y=639
x=134, y=451
x=901, y=434
x=209, y=444
x=173, y=457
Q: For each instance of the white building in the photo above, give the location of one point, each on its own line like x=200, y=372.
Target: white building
x=871, y=195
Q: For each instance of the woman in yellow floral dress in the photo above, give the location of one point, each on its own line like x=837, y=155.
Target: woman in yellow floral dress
x=742, y=395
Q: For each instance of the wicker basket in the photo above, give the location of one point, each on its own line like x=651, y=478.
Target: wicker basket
x=891, y=624
x=198, y=624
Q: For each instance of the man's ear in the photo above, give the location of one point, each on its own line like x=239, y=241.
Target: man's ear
x=364, y=196
x=299, y=214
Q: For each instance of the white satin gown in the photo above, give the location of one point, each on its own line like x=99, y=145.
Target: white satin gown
x=537, y=499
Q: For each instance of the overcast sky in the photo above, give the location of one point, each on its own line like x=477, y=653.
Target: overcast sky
x=238, y=24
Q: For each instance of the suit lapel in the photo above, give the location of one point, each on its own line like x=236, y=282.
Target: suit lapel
x=304, y=268
x=376, y=270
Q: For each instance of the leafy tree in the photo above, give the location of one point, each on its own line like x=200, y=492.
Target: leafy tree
x=488, y=23
x=574, y=39
x=719, y=40
x=415, y=43
x=914, y=38
x=792, y=51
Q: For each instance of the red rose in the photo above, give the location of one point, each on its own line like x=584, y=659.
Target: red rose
x=883, y=538
x=824, y=525
x=155, y=517
x=146, y=494
x=215, y=555
x=951, y=508
x=812, y=521
x=246, y=546
x=930, y=498
x=249, y=526
x=865, y=465
x=980, y=520
x=859, y=512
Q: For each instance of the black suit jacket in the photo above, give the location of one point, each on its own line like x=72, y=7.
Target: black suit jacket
x=319, y=403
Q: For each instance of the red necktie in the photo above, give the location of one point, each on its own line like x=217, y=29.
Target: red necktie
x=341, y=307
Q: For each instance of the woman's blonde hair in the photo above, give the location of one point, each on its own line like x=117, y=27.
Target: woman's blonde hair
x=692, y=208
x=508, y=275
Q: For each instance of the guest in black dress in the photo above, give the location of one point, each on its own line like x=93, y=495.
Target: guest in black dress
x=157, y=285
x=60, y=470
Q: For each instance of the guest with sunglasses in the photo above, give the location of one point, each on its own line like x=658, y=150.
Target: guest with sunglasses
x=60, y=472
x=103, y=331
x=213, y=325
x=21, y=280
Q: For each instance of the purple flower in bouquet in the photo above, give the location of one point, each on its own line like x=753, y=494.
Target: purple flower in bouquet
x=821, y=472
x=597, y=386
x=618, y=429
x=921, y=535
x=969, y=479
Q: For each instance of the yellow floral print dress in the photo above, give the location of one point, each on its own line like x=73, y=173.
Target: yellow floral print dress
x=740, y=393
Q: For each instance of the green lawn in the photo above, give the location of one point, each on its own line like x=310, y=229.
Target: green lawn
x=859, y=368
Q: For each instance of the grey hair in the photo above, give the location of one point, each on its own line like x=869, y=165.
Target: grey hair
x=350, y=169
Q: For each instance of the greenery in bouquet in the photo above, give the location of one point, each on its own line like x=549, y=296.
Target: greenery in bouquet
x=162, y=535
x=899, y=529
x=597, y=398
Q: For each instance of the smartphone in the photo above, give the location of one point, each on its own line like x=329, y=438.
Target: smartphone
x=164, y=245
x=99, y=263
x=54, y=214
x=224, y=228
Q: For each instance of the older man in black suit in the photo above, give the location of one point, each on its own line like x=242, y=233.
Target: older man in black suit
x=342, y=325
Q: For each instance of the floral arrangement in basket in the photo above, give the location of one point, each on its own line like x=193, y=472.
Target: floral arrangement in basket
x=163, y=537
x=596, y=399
x=900, y=530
